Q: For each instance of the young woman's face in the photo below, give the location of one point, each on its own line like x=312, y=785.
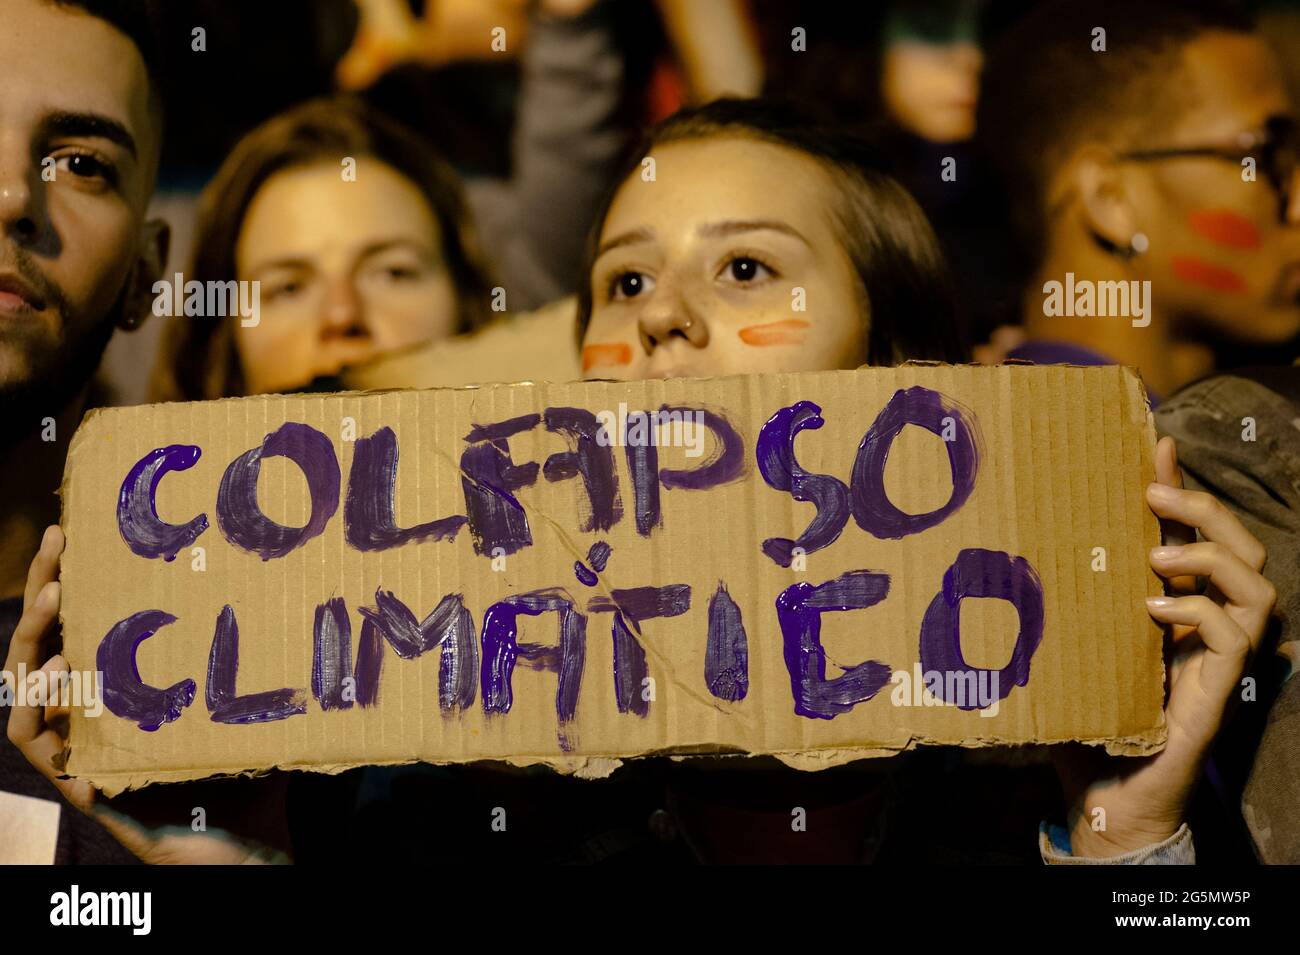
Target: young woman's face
x=728, y=262
x=931, y=89
x=348, y=270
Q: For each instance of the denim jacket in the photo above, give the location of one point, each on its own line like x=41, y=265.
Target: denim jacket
x=1054, y=846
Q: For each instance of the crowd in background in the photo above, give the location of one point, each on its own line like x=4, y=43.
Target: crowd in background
x=931, y=166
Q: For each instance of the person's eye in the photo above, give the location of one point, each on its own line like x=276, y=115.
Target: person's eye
x=745, y=269
x=395, y=271
x=86, y=166
x=628, y=285
x=286, y=289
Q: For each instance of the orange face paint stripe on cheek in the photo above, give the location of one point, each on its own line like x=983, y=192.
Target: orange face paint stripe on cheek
x=1223, y=227
x=790, y=331
x=594, y=356
x=1200, y=272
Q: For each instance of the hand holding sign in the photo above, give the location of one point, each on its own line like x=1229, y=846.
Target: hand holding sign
x=40, y=733
x=1213, y=636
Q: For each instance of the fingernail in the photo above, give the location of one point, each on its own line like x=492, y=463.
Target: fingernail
x=1166, y=553
x=47, y=541
x=1160, y=603
x=1162, y=492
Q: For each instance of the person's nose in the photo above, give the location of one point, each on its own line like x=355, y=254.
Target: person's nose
x=967, y=56
x=343, y=310
x=669, y=315
x=19, y=212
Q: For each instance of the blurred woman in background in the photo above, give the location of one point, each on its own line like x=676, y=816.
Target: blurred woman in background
x=359, y=238
x=907, y=75
x=532, y=217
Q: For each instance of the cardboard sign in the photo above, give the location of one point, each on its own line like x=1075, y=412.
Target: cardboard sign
x=816, y=566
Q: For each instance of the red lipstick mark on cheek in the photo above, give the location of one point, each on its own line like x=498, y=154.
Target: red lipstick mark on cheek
x=1202, y=273
x=602, y=356
x=790, y=331
x=1224, y=228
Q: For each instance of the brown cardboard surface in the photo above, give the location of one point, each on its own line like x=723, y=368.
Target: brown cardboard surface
x=29, y=829
x=1065, y=453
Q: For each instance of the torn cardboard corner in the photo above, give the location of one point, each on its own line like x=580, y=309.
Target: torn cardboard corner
x=536, y=346
x=817, y=567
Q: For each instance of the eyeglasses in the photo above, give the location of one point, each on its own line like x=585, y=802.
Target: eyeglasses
x=1276, y=151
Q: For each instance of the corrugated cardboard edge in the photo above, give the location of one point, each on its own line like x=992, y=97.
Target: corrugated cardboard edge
x=79, y=437
x=1158, y=738
x=600, y=767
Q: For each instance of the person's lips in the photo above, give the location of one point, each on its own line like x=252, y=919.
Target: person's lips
x=17, y=296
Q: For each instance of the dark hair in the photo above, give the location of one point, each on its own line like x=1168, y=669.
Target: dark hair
x=199, y=359
x=1046, y=91
x=134, y=19
x=902, y=277
x=843, y=79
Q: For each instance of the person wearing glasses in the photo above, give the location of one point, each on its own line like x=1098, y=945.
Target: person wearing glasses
x=1149, y=154
x=1152, y=143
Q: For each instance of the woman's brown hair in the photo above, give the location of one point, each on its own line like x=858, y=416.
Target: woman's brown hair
x=198, y=359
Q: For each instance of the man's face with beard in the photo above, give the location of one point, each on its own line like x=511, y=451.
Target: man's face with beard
x=79, y=140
